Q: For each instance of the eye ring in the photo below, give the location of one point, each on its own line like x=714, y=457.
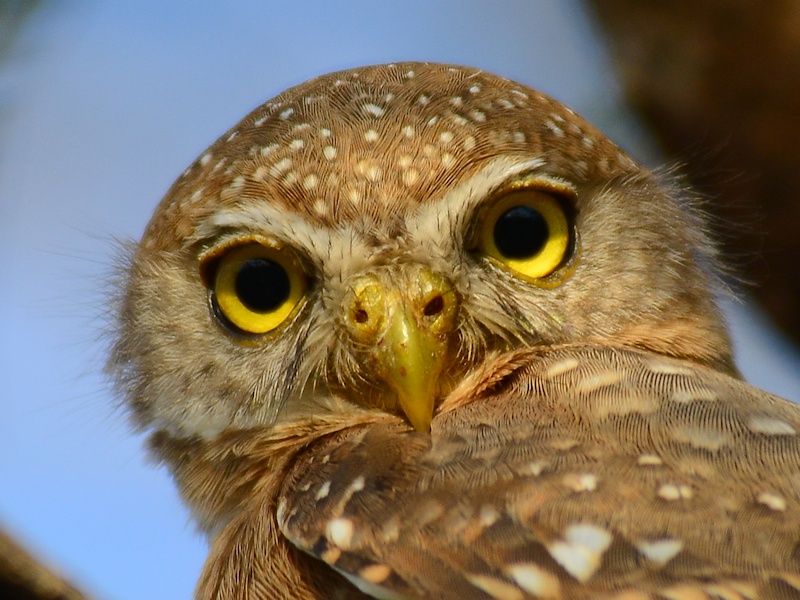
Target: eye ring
x=255, y=288
x=527, y=231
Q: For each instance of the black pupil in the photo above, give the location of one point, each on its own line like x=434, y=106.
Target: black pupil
x=520, y=232
x=262, y=285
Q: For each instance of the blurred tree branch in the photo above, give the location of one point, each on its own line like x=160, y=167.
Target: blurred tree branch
x=719, y=83
x=24, y=577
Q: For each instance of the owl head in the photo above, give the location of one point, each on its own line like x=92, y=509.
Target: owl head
x=365, y=240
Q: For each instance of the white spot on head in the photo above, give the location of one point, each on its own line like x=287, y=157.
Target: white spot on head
x=410, y=74
x=410, y=177
x=581, y=550
x=373, y=109
x=260, y=121
x=408, y=131
x=354, y=195
x=310, y=181
x=446, y=137
x=371, y=135
x=519, y=137
x=772, y=501
x=388, y=97
x=587, y=142
x=478, y=116
x=321, y=207
x=433, y=120
x=369, y=169
x=232, y=135
x=301, y=127
x=205, y=159
x=340, y=532
x=770, y=426
x=555, y=129
x=197, y=194
x=260, y=173
x=448, y=160
x=236, y=184
x=285, y=114
x=459, y=120
x=324, y=132
x=329, y=152
x=281, y=166
x=660, y=551
x=520, y=93
x=456, y=101
x=423, y=99
x=296, y=144
x=474, y=89
x=469, y=142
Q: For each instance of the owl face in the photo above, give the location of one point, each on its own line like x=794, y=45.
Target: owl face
x=364, y=240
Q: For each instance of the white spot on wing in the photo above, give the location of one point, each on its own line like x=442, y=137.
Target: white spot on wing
x=660, y=551
x=672, y=491
x=772, y=501
x=562, y=366
x=496, y=588
x=340, y=532
x=323, y=490
x=770, y=426
x=535, y=580
x=581, y=551
x=580, y=482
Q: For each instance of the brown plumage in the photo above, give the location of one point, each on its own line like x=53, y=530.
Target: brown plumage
x=423, y=332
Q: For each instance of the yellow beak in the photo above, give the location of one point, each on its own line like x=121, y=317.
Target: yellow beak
x=405, y=324
x=411, y=360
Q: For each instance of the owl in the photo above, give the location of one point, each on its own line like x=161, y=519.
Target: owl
x=418, y=331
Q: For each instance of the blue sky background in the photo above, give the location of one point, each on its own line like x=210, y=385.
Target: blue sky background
x=104, y=104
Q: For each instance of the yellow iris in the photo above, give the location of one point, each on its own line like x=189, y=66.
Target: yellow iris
x=528, y=231
x=257, y=287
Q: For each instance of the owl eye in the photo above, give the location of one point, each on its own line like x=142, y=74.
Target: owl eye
x=528, y=231
x=257, y=287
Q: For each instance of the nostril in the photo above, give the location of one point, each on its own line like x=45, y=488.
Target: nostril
x=360, y=316
x=434, y=306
